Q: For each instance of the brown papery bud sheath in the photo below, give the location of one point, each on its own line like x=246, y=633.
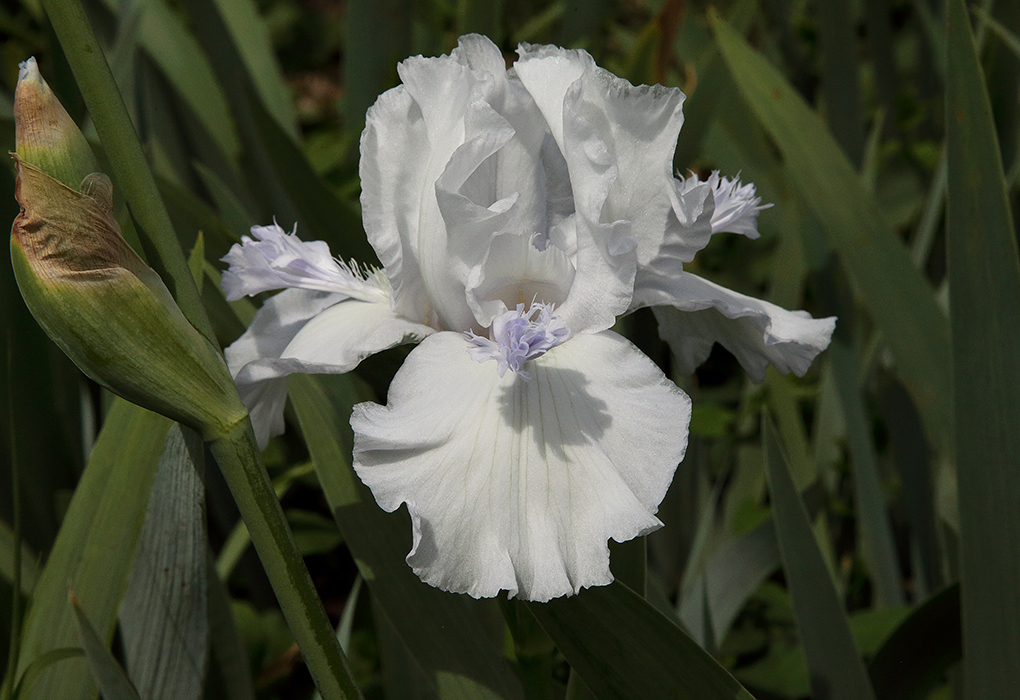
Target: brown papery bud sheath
x=89, y=290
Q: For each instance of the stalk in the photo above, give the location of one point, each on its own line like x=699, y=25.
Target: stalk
x=237, y=455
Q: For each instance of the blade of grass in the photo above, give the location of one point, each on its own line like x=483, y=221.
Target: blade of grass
x=29, y=560
x=13, y=648
x=191, y=213
x=790, y=421
x=251, y=36
x=372, y=51
x=880, y=41
x=236, y=217
x=840, y=87
x=931, y=214
x=984, y=274
x=1002, y=75
x=730, y=578
x=227, y=653
x=35, y=669
x=1008, y=38
x=278, y=173
x=161, y=128
x=108, y=674
x=872, y=517
x=834, y=665
x=931, y=27
x=172, y=47
x=897, y=296
x=912, y=456
x=46, y=389
x=326, y=215
x=196, y=261
x=624, y=648
x=402, y=676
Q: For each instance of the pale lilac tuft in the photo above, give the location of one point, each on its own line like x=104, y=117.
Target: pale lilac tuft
x=736, y=205
x=275, y=259
x=518, y=336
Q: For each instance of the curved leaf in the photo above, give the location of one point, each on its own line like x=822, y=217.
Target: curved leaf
x=624, y=648
x=834, y=665
x=984, y=278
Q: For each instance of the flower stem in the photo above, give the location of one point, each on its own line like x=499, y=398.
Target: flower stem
x=127, y=160
x=237, y=456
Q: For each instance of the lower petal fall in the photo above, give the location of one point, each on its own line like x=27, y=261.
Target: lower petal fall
x=516, y=484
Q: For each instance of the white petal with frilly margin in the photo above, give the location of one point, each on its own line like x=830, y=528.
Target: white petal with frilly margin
x=394, y=173
x=758, y=333
x=310, y=332
x=517, y=484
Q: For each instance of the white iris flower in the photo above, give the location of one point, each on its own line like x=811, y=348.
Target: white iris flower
x=517, y=215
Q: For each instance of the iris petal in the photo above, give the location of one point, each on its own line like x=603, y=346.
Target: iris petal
x=517, y=485
x=309, y=332
x=272, y=259
x=758, y=333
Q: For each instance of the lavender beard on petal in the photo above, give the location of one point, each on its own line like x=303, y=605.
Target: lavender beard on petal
x=518, y=336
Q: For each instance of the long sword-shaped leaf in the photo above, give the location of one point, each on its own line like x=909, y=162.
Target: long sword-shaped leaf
x=897, y=296
x=372, y=51
x=228, y=662
x=165, y=37
x=912, y=457
x=730, y=578
x=872, y=517
x=442, y=631
x=837, y=31
x=278, y=173
x=914, y=659
x=95, y=548
x=834, y=665
x=43, y=387
x=251, y=35
x=984, y=279
x=163, y=617
x=624, y=648
x=108, y=674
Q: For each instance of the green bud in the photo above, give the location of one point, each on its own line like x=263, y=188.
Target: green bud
x=45, y=134
x=89, y=290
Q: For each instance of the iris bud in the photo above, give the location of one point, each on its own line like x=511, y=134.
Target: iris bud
x=46, y=135
x=89, y=290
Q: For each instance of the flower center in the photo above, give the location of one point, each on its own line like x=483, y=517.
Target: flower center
x=518, y=336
